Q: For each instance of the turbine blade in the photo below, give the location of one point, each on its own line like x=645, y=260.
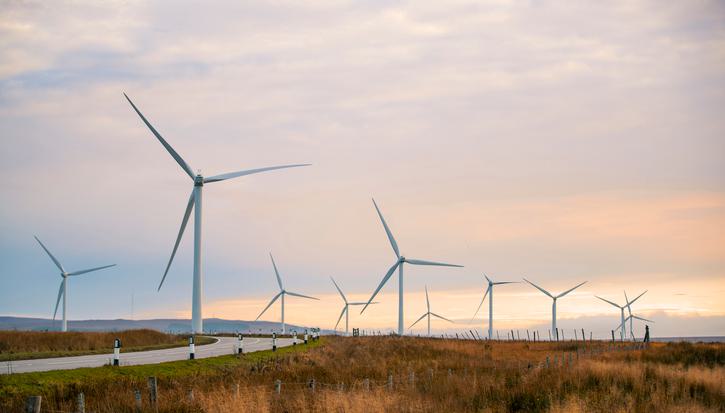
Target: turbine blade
x=539, y=288
x=422, y=262
x=382, y=283
x=387, y=231
x=643, y=319
x=341, y=314
x=570, y=290
x=168, y=147
x=91, y=270
x=506, y=282
x=487, y=279
x=607, y=301
x=416, y=321
x=362, y=303
x=279, y=280
x=482, y=300
x=339, y=290
x=55, y=261
x=300, y=295
x=268, y=305
x=637, y=298
x=231, y=175
x=441, y=317
x=187, y=213
x=60, y=293
x=427, y=301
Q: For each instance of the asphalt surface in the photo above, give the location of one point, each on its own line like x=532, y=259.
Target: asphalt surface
x=223, y=346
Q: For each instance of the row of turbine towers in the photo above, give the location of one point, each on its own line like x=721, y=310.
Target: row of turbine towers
x=195, y=204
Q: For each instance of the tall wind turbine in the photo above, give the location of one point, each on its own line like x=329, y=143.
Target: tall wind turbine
x=629, y=308
x=554, y=331
x=63, y=290
x=428, y=313
x=489, y=292
x=282, y=293
x=621, y=310
x=345, y=310
x=195, y=203
x=399, y=265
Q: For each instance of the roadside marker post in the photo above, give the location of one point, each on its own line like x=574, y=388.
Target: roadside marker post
x=294, y=338
x=305, y=336
x=240, y=349
x=191, y=347
x=116, y=351
x=274, y=341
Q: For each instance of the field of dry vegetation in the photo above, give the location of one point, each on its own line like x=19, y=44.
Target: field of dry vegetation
x=16, y=345
x=393, y=374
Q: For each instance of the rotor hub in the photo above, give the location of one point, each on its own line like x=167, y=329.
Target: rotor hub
x=198, y=180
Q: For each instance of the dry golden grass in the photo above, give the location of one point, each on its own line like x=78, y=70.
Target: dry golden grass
x=450, y=376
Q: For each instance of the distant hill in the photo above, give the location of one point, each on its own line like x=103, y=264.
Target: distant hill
x=170, y=325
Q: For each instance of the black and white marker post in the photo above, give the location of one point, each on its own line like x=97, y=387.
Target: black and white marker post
x=305, y=336
x=274, y=341
x=191, y=347
x=116, y=352
x=240, y=348
x=294, y=337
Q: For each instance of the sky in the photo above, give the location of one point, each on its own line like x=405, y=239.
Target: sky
x=562, y=142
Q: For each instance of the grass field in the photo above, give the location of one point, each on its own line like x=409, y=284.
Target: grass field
x=368, y=374
x=24, y=345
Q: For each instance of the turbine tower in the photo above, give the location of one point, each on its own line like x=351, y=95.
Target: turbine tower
x=621, y=309
x=554, y=331
x=195, y=204
x=399, y=265
x=428, y=313
x=282, y=293
x=629, y=308
x=63, y=290
x=489, y=292
x=345, y=309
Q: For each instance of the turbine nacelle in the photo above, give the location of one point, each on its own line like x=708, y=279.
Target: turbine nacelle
x=199, y=180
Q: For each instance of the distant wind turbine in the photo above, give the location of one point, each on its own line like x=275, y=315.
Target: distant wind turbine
x=399, y=265
x=629, y=308
x=345, y=309
x=428, y=313
x=63, y=290
x=621, y=310
x=554, y=331
x=489, y=292
x=282, y=293
x=629, y=318
x=195, y=203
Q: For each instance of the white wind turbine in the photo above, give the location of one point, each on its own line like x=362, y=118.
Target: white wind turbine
x=489, y=292
x=345, y=309
x=195, y=203
x=399, y=265
x=631, y=317
x=428, y=313
x=554, y=331
x=282, y=293
x=621, y=310
x=63, y=290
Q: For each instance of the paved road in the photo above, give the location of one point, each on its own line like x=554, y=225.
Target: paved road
x=224, y=346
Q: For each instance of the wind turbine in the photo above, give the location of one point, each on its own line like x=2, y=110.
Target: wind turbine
x=489, y=290
x=621, y=309
x=629, y=308
x=428, y=313
x=399, y=265
x=554, y=331
x=282, y=293
x=345, y=310
x=195, y=203
x=630, y=318
x=63, y=290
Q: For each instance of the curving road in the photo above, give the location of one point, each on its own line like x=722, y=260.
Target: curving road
x=223, y=346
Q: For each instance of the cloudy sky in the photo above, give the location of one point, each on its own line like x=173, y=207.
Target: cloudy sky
x=559, y=141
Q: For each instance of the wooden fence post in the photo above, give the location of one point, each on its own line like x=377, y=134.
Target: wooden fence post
x=81, y=403
x=153, y=392
x=411, y=378
x=278, y=386
x=312, y=385
x=390, y=381
x=137, y=399
x=32, y=404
